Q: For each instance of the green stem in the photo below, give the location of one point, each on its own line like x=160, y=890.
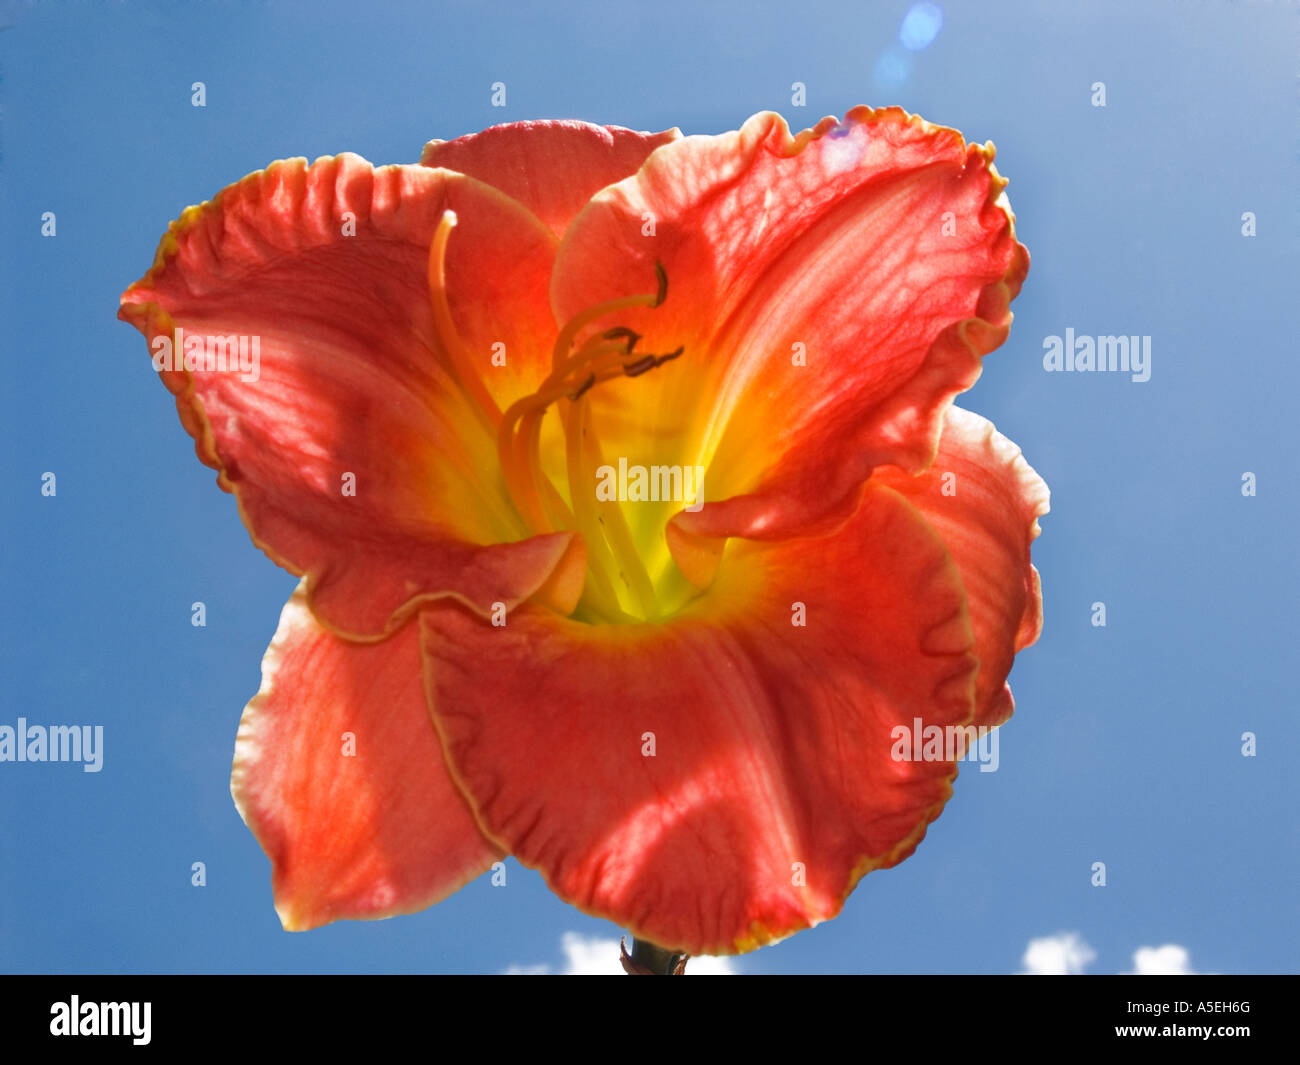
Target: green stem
x=662, y=962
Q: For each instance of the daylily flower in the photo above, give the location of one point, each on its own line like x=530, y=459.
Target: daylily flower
x=676, y=703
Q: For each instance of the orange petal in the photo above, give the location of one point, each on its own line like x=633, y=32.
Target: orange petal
x=354, y=456
x=552, y=168
x=339, y=774
x=771, y=788
x=985, y=500
x=833, y=292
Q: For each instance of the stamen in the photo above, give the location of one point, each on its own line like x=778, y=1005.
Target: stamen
x=583, y=319
x=577, y=421
x=662, y=275
x=520, y=482
x=600, y=358
x=528, y=444
x=649, y=362
x=619, y=536
x=593, y=350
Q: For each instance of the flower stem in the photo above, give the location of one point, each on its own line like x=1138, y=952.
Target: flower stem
x=648, y=959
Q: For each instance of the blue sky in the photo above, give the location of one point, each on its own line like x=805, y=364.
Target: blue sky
x=1126, y=744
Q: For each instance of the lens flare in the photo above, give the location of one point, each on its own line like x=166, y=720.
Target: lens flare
x=920, y=26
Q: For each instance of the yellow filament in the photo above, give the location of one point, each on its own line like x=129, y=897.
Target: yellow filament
x=619, y=536
x=577, y=424
x=528, y=447
x=519, y=479
x=600, y=562
x=522, y=470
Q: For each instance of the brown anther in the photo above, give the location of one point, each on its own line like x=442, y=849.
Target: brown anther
x=662, y=275
x=622, y=332
x=649, y=362
x=636, y=369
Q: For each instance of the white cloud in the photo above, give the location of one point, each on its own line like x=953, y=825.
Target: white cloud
x=593, y=956
x=584, y=956
x=1064, y=954
x=1068, y=953
x=1169, y=960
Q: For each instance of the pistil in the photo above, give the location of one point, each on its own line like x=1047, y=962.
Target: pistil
x=461, y=362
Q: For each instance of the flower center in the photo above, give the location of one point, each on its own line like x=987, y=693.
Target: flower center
x=618, y=587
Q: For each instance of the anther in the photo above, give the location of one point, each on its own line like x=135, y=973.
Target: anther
x=662, y=275
x=649, y=362
x=622, y=332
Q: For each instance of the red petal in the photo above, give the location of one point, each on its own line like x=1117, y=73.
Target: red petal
x=985, y=500
x=882, y=245
x=380, y=832
x=552, y=168
x=773, y=741
x=350, y=381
